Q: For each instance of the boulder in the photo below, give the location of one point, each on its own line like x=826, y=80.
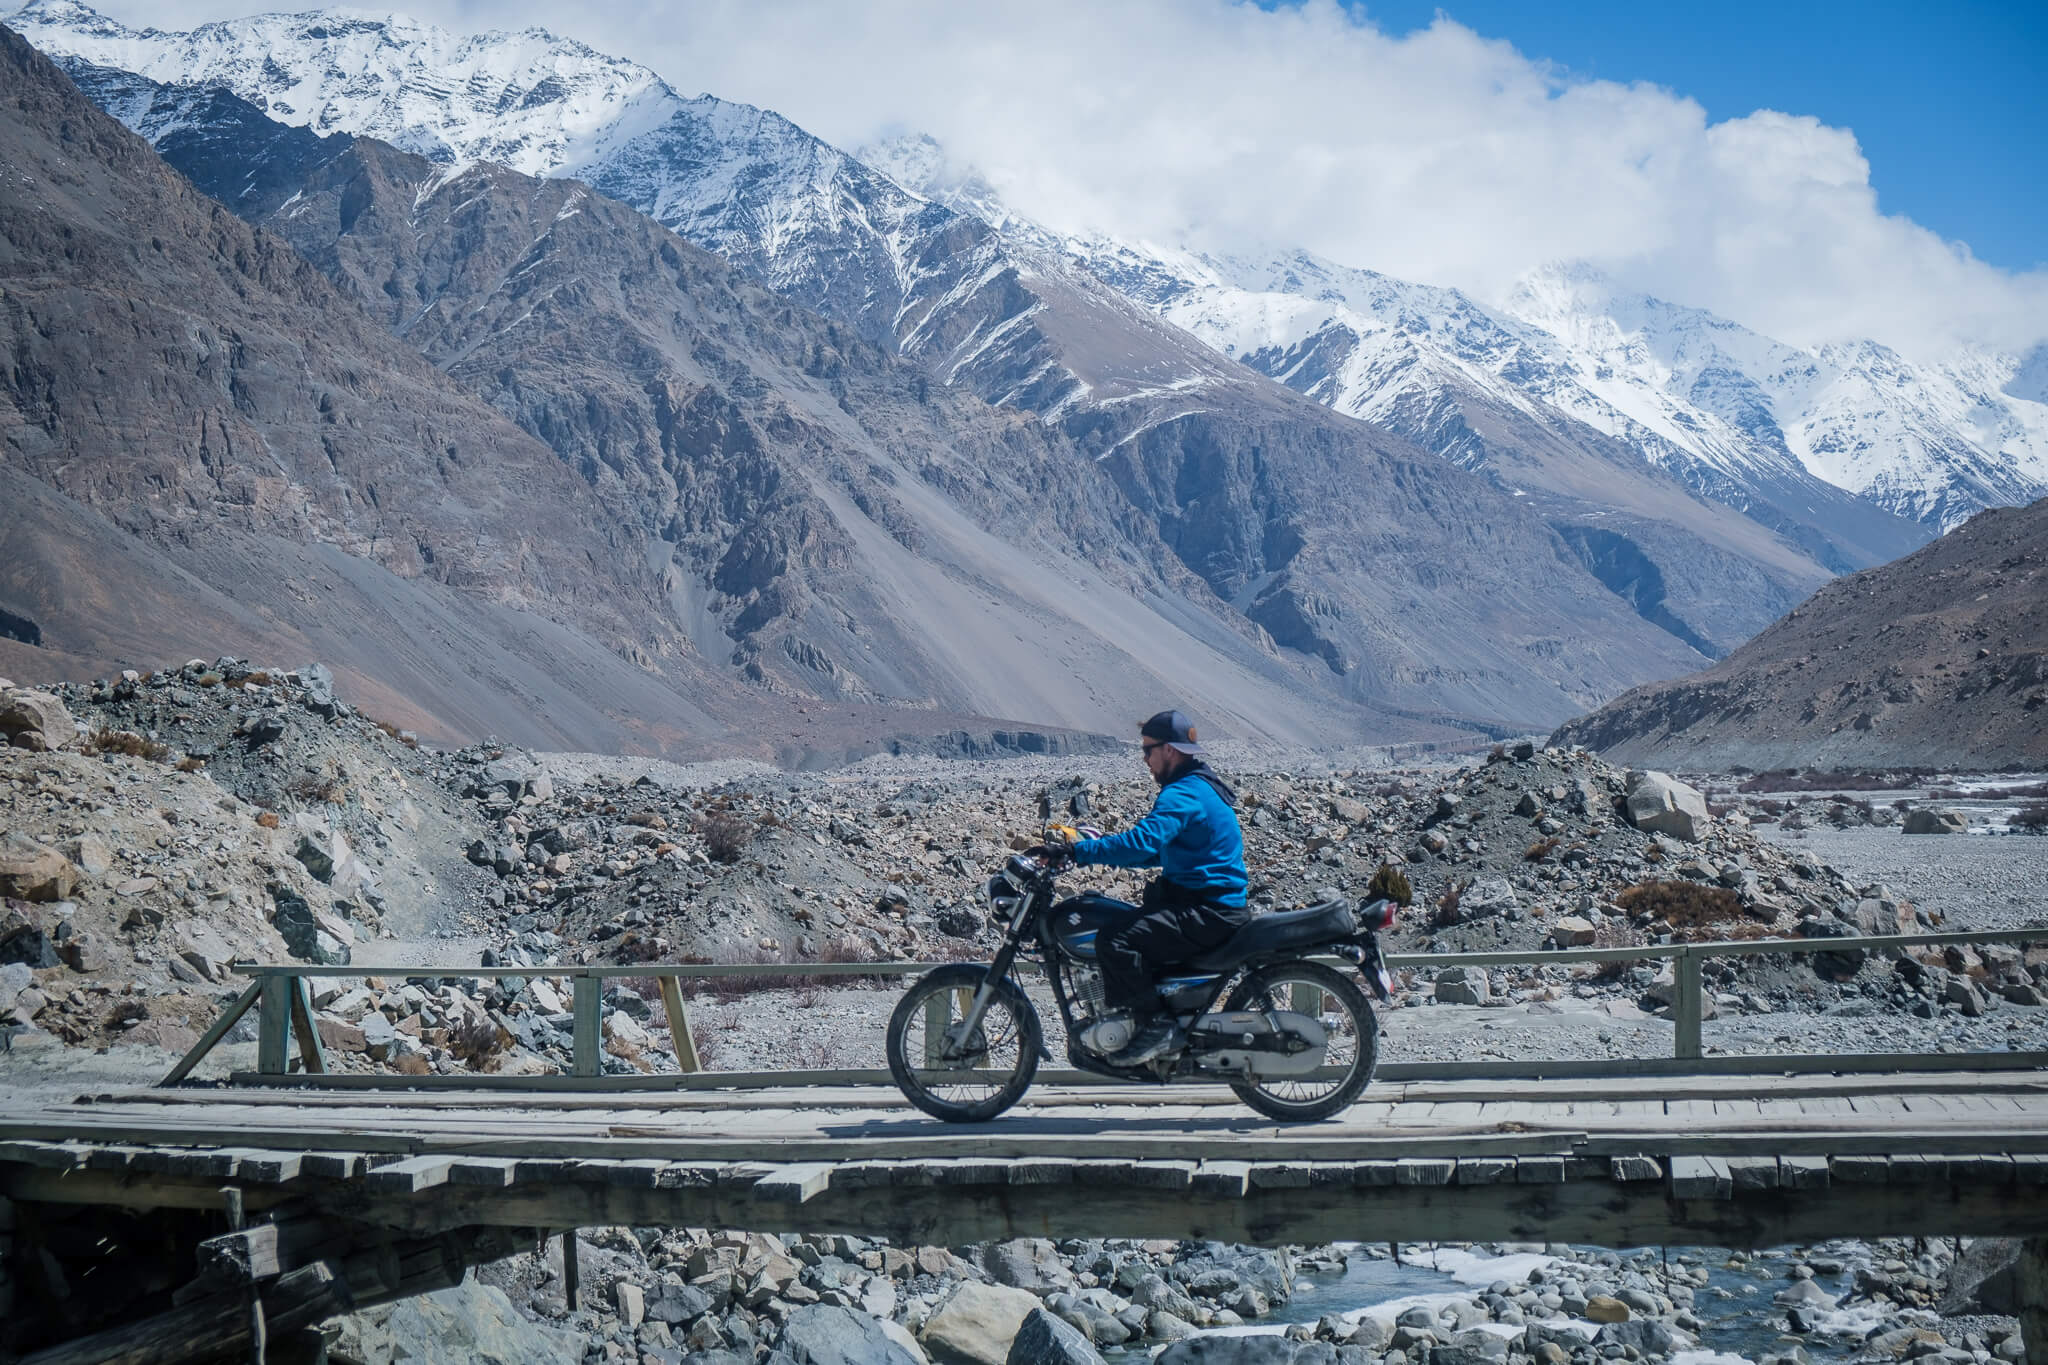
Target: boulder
x=35, y=720
x=1029, y=1263
x=821, y=1334
x=91, y=854
x=1660, y=804
x=1573, y=931
x=1922, y=820
x=469, y=1322
x=301, y=931
x=1045, y=1340
x=1605, y=1308
x=1487, y=897
x=1463, y=986
x=32, y=871
x=977, y=1323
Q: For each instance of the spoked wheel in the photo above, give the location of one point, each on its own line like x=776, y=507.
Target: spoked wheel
x=1353, y=1047
x=990, y=1073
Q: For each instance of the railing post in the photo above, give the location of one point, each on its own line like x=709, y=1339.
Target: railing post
x=1686, y=1011
x=679, y=1024
x=585, y=1000
x=274, y=1023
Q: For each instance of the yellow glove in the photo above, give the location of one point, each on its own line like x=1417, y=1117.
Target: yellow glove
x=1062, y=834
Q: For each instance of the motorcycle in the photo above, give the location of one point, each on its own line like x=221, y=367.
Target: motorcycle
x=1295, y=1039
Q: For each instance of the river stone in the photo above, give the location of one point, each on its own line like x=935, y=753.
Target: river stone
x=468, y=1322
x=1922, y=820
x=1606, y=1308
x=1257, y=1350
x=821, y=1334
x=1031, y=1263
x=1573, y=931
x=1660, y=804
x=1045, y=1340
x=976, y=1325
x=1463, y=986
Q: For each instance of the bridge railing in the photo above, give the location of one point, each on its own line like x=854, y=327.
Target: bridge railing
x=280, y=994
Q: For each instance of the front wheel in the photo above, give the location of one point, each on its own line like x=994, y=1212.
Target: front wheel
x=1350, y=1053
x=986, y=1076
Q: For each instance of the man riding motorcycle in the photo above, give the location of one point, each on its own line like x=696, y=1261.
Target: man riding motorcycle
x=1196, y=903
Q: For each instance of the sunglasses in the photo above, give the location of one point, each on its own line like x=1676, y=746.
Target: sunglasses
x=1147, y=748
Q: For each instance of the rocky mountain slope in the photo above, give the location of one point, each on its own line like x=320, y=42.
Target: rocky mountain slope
x=1939, y=659
x=1290, y=536
x=1830, y=446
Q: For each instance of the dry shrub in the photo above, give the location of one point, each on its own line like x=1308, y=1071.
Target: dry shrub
x=1541, y=849
x=2033, y=818
x=827, y=1053
x=189, y=764
x=412, y=1064
x=323, y=788
x=1448, y=902
x=209, y=680
x=105, y=741
x=261, y=679
x=267, y=819
x=477, y=1040
x=1685, y=906
x=395, y=733
x=1390, y=883
x=725, y=836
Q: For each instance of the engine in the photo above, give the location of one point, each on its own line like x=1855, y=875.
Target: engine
x=1094, y=1027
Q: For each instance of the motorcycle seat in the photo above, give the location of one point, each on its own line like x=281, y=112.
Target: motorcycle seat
x=1329, y=922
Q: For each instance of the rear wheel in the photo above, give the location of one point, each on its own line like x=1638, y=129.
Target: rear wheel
x=1351, y=1051
x=986, y=1076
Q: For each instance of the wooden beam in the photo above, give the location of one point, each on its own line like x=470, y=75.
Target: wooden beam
x=679, y=1025
x=586, y=1044
x=410, y=1176
x=310, y=1056
x=219, y=1030
x=2030, y=1282
x=274, y=1025
x=794, y=1184
x=204, y=1329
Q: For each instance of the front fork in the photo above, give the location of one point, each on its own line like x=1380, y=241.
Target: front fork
x=1006, y=956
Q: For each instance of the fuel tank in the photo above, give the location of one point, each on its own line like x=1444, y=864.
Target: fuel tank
x=1078, y=920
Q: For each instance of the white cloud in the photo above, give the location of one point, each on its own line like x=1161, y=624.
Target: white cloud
x=1441, y=156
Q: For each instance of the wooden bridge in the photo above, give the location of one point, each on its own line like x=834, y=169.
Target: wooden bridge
x=295, y=1197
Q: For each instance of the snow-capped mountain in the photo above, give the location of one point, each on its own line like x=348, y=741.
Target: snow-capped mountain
x=1735, y=415
x=1131, y=352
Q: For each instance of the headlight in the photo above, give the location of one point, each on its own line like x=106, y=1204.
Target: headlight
x=1000, y=895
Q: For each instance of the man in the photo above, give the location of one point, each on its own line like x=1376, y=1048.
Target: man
x=1198, y=900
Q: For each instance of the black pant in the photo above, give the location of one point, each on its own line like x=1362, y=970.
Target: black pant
x=1178, y=924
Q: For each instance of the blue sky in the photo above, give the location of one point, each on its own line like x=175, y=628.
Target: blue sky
x=1949, y=100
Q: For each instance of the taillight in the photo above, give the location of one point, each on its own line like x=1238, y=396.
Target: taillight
x=1377, y=915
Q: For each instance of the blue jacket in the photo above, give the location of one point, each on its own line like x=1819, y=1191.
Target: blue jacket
x=1191, y=835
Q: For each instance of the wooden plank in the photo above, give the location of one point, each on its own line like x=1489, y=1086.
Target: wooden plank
x=797, y=1184
x=1859, y=1169
x=334, y=1165
x=1635, y=1167
x=217, y=1031
x=1377, y=1173
x=1279, y=1175
x=1803, y=1172
x=2029, y=1169
x=642, y=1173
x=410, y=1176
x=1485, y=1170
x=268, y=1168
x=1753, y=1172
x=495, y=1173
x=1226, y=1179
x=1701, y=1177
x=1916, y=1169
x=1424, y=1170
x=1539, y=1170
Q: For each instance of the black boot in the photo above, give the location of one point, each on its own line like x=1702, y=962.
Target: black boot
x=1155, y=1037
